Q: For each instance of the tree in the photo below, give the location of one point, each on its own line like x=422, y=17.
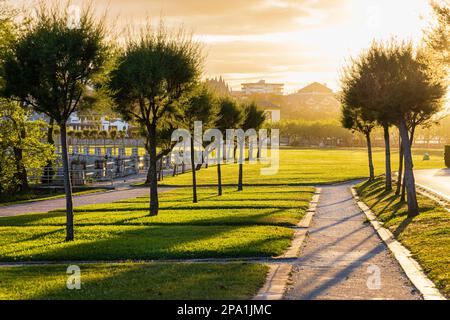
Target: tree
x=122, y=135
x=17, y=132
x=113, y=136
x=94, y=136
x=253, y=120
x=200, y=106
x=413, y=92
x=355, y=120
x=369, y=76
x=437, y=38
x=79, y=136
x=51, y=66
x=229, y=117
x=420, y=88
x=71, y=135
x=103, y=134
x=86, y=135
x=153, y=73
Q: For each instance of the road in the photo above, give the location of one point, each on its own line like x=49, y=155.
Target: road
x=435, y=179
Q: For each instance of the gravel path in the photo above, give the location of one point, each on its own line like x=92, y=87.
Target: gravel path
x=94, y=198
x=343, y=255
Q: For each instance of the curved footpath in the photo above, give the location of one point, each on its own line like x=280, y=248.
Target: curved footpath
x=343, y=257
x=93, y=198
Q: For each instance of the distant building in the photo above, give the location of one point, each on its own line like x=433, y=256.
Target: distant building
x=315, y=94
x=273, y=111
x=313, y=102
x=262, y=87
x=99, y=122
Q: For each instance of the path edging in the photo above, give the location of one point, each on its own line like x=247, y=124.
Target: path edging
x=278, y=275
x=403, y=256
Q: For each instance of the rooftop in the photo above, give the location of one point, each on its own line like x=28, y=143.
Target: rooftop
x=263, y=82
x=316, y=87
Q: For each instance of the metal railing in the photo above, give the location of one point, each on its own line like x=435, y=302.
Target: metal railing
x=93, y=171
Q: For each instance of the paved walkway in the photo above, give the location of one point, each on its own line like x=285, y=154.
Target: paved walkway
x=94, y=198
x=435, y=179
x=343, y=254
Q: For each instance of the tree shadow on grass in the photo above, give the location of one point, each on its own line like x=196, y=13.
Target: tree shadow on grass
x=402, y=226
x=160, y=242
x=237, y=219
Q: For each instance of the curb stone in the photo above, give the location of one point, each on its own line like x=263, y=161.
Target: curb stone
x=404, y=257
x=278, y=275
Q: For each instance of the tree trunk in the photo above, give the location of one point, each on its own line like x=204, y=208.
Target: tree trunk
x=67, y=184
x=387, y=144
x=49, y=171
x=240, y=187
x=154, y=204
x=413, y=206
x=258, y=152
x=411, y=141
x=403, y=195
x=219, y=179
x=21, y=173
x=149, y=176
x=174, y=170
x=400, y=169
x=219, y=170
x=369, y=153
x=159, y=165
x=20, y=167
x=194, y=173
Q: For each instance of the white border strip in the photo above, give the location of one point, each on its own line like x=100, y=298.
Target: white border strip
x=410, y=266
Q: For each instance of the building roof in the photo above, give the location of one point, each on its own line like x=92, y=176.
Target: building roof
x=267, y=105
x=262, y=82
x=316, y=88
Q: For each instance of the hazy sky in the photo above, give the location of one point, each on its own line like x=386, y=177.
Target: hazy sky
x=290, y=41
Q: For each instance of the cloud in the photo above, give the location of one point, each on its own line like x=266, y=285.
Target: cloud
x=291, y=41
x=225, y=17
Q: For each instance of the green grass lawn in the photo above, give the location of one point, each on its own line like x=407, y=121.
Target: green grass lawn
x=309, y=167
x=240, y=225
x=252, y=223
x=427, y=236
x=135, y=281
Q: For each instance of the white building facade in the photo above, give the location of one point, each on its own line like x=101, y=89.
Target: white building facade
x=262, y=87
